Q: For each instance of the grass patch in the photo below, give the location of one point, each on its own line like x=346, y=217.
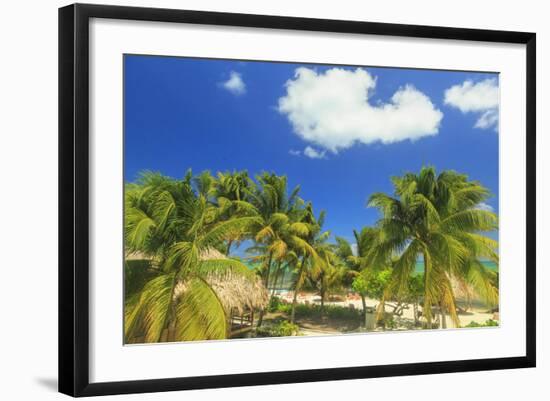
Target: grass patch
x=488, y=323
x=314, y=311
x=281, y=329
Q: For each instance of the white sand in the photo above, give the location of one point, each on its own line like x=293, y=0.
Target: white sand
x=476, y=314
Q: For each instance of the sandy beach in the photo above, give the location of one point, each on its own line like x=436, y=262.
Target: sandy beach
x=476, y=313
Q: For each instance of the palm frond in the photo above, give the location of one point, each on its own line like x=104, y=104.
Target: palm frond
x=448, y=251
x=221, y=230
x=165, y=205
x=183, y=257
x=199, y=313
x=479, y=245
x=386, y=204
x=343, y=248
x=483, y=281
x=278, y=248
x=138, y=228
x=404, y=266
x=432, y=215
x=472, y=220
x=223, y=267
x=278, y=219
x=300, y=229
x=150, y=311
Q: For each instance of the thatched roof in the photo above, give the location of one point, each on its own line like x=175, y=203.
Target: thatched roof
x=136, y=256
x=466, y=293
x=234, y=290
x=211, y=253
x=461, y=290
x=238, y=292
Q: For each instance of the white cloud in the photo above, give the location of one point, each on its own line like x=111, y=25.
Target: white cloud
x=485, y=206
x=314, y=154
x=332, y=110
x=487, y=120
x=235, y=84
x=481, y=97
x=308, y=152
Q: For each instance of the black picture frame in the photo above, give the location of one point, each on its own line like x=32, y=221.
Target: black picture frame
x=74, y=198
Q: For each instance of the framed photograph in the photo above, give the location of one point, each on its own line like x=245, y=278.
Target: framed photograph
x=250, y=199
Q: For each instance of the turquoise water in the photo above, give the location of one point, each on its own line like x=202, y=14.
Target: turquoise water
x=419, y=266
x=286, y=281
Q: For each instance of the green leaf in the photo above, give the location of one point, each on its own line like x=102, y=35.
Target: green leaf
x=200, y=314
x=150, y=309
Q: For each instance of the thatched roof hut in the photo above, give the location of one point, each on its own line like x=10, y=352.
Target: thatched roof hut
x=234, y=291
x=136, y=256
x=468, y=297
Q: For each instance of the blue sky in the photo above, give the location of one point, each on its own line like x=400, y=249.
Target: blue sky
x=220, y=115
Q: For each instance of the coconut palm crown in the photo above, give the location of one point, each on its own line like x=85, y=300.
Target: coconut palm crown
x=174, y=226
x=439, y=219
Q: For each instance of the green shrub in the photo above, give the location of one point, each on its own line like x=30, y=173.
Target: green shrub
x=372, y=283
x=488, y=323
x=285, y=329
x=342, y=312
x=303, y=310
x=282, y=307
x=273, y=305
x=281, y=329
x=314, y=311
x=388, y=322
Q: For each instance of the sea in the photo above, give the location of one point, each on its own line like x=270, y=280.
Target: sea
x=287, y=280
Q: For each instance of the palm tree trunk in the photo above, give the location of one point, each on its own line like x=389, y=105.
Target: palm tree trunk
x=427, y=308
x=443, y=317
x=296, y=289
x=170, y=315
x=381, y=310
x=261, y=318
x=276, y=278
x=266, y=281
x=293, y=309
x=364, y=302
x=322, y=291
x=381, y=315
x=229, y=243
x=268, y=270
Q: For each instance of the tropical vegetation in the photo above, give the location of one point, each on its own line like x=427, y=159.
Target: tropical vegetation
x=207, y=250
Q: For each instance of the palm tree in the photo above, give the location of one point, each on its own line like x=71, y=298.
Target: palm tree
x=204, y=183
x=439, y=219
x=366, y=241
x=304, y=247
x=328, y=273
x=174, y=226
x=277, y=231
x=233, y=185
x=229, y=191
x=284, y=265
x=278, y=214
